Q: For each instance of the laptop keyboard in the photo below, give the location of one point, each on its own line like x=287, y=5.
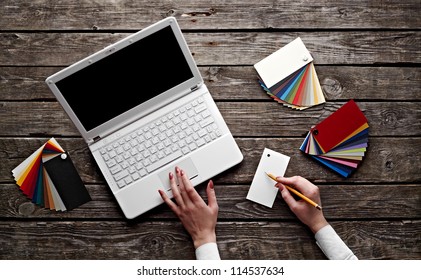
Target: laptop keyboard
x=161, y=141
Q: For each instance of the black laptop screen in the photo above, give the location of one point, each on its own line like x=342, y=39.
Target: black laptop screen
x=126, y=78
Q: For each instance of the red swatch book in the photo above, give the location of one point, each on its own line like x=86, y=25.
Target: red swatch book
x=339, y=141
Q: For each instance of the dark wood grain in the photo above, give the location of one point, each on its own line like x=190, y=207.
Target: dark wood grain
x=203, y=14
x=237, y=240
x=366, y=200
x=222, y=48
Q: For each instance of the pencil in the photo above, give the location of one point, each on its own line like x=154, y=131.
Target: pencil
x=305, y=198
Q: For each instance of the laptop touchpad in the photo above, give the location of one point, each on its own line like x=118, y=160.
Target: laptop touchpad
x=187, y=165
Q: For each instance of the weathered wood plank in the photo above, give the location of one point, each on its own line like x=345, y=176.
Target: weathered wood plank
x=339, y=202
x=240, y=83
x=263, y=119
x=338, y=83
x=235, y=48
x=168, y=240
x=205, y=14
x=273, y=119
x=387, y=160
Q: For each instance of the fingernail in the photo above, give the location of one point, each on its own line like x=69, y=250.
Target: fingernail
x=281, y=187
x=171, y=175
x=177, y=169
x=181, y=172
x=211, y=184
x=279, y=178
x=160, y=192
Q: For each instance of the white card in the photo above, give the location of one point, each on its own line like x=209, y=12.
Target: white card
x=282, y=63
x=262, y=189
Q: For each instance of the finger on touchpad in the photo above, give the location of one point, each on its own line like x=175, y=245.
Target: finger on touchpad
x=187, y=165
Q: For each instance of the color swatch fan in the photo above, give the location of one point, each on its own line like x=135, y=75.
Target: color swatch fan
x=289, y=77
x=340, y=141
x=49, y=178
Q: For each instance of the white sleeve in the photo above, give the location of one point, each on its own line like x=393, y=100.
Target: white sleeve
x=207, y=251
x=332, y=245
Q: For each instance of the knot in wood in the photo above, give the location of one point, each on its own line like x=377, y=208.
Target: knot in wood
x=26, y=208
x=332, y=87
x=390, y=118
x=343, y=12
x=252, y=249
x=156, y=242
x=212, y=74
x=389, y=165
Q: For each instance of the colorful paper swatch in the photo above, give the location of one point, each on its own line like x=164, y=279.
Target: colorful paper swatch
x=49, y=178
x=340, y=141
x=289, y=77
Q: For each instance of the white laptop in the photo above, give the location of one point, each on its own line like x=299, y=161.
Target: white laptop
x=142, y=107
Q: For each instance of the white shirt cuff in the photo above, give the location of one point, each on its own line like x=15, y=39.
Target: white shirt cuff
x=332, y=245
x=208, y=251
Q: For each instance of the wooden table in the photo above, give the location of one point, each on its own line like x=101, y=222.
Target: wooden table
x=368, y=51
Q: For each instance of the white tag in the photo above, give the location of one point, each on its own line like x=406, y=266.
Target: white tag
x=262, y=189
x=282, y=63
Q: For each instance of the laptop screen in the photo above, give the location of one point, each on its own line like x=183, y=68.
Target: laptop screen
x=126, y=78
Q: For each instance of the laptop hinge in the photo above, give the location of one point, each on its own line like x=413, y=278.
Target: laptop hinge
x=96, y=138
x=194, y=88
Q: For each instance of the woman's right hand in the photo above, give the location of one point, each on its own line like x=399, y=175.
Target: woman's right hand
x=307, y=213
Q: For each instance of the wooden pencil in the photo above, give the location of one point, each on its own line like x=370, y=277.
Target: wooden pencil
x=305, y=198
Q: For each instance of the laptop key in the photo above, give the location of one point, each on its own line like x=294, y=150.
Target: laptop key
x=206, y=122
x=121, y=184
x=115, y=169
x=128, y=180
x=201, y=142
x=185, y=150
x=121, y=175
x=142, y=172
x=135, y=176
x=164, y=161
